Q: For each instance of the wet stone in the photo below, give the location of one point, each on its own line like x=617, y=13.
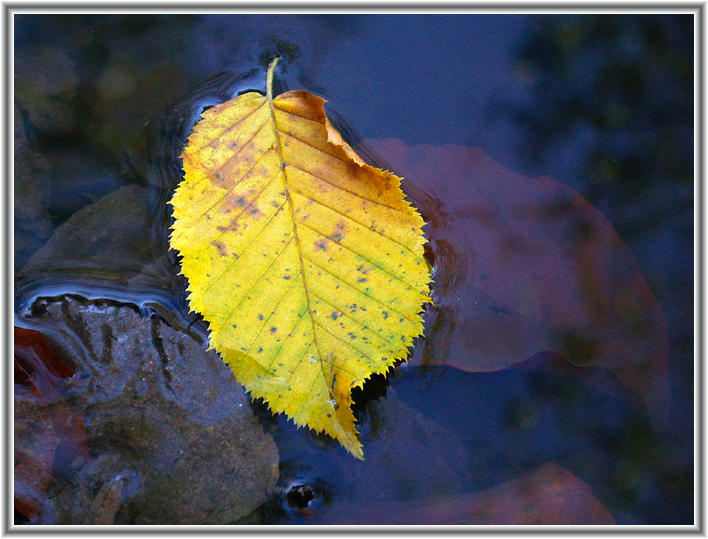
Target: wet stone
x=171, y=435
x=108, y=236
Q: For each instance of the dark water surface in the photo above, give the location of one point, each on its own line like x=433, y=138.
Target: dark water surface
x=552, y=157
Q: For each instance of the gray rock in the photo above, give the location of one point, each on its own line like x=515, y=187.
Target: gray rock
x=171, y=434
x=103, y=251
x=108, y=237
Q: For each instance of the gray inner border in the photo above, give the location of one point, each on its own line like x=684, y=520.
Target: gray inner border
x=698, y=9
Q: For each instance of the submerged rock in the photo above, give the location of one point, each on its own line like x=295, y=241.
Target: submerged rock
x=105, y=251
x=32, y=222
x=107, y=237
x=172, y=438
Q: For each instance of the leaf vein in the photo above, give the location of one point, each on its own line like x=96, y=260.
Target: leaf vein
x=231, y=189
x=360, y=291
x=350, y=317
x=325, y=180
x=231, y=127
x=272, y=312
x=241, y=148
x=291, y=209
x=294, y=369
x=254, y=283
x=291, y=113
x=350, y=345
x=337, y=157
x=240, y=255
x=339, y=212
x=300, y=317
x=384, y=270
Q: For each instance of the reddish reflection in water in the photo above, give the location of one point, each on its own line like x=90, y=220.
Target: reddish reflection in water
x=38, y=370
x=549, y=495
x=45, y=426
x=524, y=265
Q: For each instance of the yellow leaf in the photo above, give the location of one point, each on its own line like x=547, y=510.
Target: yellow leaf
x=306, y=262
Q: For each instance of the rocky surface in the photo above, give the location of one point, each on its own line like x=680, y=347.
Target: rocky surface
x=171, y=435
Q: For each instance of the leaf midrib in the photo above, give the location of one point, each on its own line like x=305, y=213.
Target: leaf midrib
x=291, y=209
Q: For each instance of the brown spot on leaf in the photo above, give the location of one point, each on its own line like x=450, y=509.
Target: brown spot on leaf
x=220, y=247
x=340, y=230
x=253, y=210
x=233, y=225
x=322, y=244
x=237, y=200
x=245, y=201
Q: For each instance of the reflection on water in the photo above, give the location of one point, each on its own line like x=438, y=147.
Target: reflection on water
x=538, y=394
x=442, y=441
x=525, y=265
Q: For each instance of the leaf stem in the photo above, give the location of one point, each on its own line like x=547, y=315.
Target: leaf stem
x=269, y=78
